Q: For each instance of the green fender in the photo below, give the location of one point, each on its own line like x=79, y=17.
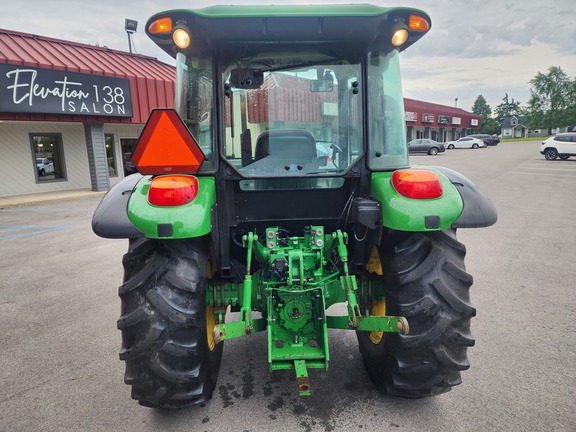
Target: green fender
x=462, y=204
x=177, y=222
x=407, y=214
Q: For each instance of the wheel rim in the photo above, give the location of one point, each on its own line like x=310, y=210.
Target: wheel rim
x=378, y=309
x=210, y=323
x=551, y=154
x=433, y=151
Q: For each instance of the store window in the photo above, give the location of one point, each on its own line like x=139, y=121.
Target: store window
x=48, y=156
x=111, y=155
x=127, y=145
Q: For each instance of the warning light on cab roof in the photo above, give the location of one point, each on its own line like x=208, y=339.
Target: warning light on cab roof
x=166, y=146
x=160, y=26
x=417, y=22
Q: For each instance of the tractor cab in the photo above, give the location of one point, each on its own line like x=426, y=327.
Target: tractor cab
x=278, y=92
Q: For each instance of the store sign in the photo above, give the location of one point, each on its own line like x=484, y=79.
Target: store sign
x=45, y=91
x=456, y=120
x=427, y=118
x=411, y=116
x=443, y=119
x=473, y=122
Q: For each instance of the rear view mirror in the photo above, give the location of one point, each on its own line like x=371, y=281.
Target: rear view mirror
x=246, y=78
x=321, y=85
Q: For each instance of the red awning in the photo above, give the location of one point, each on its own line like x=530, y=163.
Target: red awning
x=151, y=81
x=435, y=112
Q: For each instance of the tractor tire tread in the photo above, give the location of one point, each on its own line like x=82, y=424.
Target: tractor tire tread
x=425, y=281
x=164, y=341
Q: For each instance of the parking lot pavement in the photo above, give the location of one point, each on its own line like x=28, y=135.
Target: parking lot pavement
x=22, y=200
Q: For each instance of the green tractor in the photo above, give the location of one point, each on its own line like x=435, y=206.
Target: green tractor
x=280, y=186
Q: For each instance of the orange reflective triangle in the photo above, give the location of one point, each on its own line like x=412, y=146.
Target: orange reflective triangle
x=166, y=146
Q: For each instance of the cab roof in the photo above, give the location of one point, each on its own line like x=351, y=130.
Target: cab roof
x=360, y=24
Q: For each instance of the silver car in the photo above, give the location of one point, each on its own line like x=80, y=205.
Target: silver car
x=466, y=142
x=425, y=145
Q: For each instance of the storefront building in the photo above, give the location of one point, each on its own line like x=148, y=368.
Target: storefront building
x=70, y=113
x=438, y=122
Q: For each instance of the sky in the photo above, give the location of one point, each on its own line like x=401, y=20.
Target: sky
x=475, y=47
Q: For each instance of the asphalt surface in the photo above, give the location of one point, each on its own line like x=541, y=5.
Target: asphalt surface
x=59, y=366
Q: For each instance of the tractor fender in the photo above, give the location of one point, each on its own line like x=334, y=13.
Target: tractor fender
x=172, y=222
x=417, y=215
x=478, y=210
x=110, y=219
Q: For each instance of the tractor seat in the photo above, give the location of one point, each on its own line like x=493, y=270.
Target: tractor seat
x=288, y=146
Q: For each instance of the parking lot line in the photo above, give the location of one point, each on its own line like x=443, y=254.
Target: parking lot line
x=27, y=210
x=35, y=229
x=560, y=174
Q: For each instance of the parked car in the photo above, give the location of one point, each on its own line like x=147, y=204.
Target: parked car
x=561, y=145
x=490, y=140
x=44, y=166
x=425, y=145
x=466, y=142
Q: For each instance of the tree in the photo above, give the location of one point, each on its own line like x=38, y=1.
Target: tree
x=487, y=123
x=552, y=101
x=507, y=108
x=481, y=107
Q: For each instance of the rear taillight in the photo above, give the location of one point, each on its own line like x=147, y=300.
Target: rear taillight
x=417, y=184
x=172, y=190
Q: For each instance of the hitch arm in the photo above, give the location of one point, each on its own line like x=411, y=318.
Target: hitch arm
x=245, y=325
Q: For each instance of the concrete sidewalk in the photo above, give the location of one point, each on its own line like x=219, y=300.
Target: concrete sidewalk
x=23, y=200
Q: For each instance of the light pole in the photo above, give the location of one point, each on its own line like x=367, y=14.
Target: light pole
x=130, y=27
x=455, y=102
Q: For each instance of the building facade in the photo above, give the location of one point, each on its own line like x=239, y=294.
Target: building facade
x=70, y=113
x=438, y=122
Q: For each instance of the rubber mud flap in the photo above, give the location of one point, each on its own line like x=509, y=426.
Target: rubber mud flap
x=110, y=219
x=478, y=209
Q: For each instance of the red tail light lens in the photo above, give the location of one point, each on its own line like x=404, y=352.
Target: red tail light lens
x=417, y=184
x=174, y=190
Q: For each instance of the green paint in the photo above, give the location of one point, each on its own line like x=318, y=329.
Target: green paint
x=407, y=214
x=188, y=221
x=298, y=278
x=268, y=11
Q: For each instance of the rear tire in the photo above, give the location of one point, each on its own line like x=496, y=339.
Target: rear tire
x=550, y=154
x=170, y=360
x=425, y=282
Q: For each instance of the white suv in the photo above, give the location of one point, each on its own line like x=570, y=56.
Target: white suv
x=44, y=166
x=562, y=145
